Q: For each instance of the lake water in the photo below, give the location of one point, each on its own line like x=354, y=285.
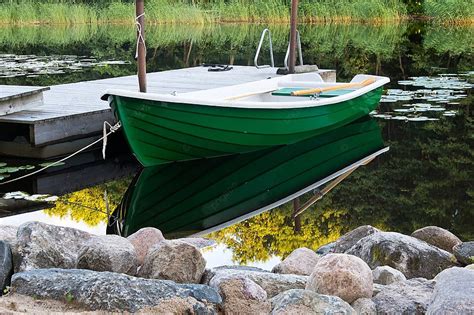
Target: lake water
x=425, y=118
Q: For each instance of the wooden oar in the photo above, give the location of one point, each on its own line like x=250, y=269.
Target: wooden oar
x=333, y=88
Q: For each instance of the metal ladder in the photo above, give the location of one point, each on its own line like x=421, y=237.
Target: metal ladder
x=272, y=61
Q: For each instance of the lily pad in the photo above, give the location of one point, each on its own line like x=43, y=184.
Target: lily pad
x=53, y=164
x=2, y=164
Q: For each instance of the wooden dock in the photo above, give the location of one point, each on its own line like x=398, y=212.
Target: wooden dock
x=72, y=115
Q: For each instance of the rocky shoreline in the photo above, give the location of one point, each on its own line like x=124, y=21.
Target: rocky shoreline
x=366, y=271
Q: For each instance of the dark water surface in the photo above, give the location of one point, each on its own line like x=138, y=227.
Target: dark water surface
x=425, y=179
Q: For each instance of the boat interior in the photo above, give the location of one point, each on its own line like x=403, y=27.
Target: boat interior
x=293, y=88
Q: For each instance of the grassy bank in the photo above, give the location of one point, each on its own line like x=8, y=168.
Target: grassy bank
x=199, y=11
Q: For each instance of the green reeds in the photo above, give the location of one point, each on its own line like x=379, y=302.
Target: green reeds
x=197, y=11
x=450, y=11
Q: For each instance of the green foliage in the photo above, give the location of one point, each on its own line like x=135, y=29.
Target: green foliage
x=88, y=205
x=450, y=11
x=198, y=12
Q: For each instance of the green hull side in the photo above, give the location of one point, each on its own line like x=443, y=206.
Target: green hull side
x=160, y=132
x=187, y=197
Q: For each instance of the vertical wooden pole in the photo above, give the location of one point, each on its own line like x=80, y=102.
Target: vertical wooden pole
x=141, y=48
x=297, y=219
x=293, y=27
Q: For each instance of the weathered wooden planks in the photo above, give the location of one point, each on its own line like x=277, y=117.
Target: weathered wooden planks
x=18, y=98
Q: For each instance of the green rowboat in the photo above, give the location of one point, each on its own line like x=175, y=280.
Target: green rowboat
x=196, y=197
x=240, y=118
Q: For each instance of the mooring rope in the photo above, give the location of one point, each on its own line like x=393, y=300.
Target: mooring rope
x=112, y=129
x=140, y=34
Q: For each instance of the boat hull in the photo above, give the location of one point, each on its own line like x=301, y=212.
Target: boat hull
x=162, y=132
x=187, y=198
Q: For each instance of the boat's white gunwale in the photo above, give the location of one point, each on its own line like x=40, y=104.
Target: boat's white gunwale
x=319, y=183
x=183, y=99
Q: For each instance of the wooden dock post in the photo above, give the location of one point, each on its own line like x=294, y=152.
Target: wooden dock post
x=293, y=27
x=141, y=47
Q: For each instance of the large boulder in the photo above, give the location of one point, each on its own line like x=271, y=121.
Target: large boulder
x=144, y=239
x=298, y=301
x=6, y=265
x=110, y=292
x=241, y=295
x=404, y=297
x=387, y=275
x=438, y=237
x=453, y=292
x=414, y=258
x=40, y=245
x=351, y=238
x=272, y=283
x=198, y=242
x=108, y=253
x=464, y=252
x=342, y=275
x=364, y=306
x=301, y=261
x=326, y=249
x=8, y=234
x=174, y=260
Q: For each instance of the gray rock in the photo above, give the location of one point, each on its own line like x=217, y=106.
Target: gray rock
x=40, y=245
x=438, y=237
x=377, y=289
x=414, y=258
x=405, y=297
x=470, y=267
x=349, y=239
x=364, y=306
x=387, y=275
x=464, y=253
x=298, y=301
x=272, y=283
x=108, y=253
x=8, y=234
x=174, y=260
x=6, y=265
x=109, y=291
x=453, y=292
x=342, y=275
x=326, y=249
x=198, y=242
x=241, y=295
x=143, y=240
x=301, y=261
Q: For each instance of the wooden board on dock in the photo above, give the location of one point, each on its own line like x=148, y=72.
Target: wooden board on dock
x=19, y=98
x=75, y=111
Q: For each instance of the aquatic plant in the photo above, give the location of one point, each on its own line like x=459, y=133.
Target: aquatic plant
x=198, y=11
x=450, y=11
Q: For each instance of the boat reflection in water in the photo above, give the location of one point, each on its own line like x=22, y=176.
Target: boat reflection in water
x=200, y=196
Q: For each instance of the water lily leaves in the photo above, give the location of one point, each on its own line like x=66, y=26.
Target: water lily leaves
x=2, y=164
x=20, y=195
x=52, y=164
x=33, y=66
x=434, y=94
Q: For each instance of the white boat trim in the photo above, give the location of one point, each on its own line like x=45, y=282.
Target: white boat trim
x=222, y=97
x=319, y=183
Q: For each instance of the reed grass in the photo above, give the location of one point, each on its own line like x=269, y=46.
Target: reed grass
x=450, y=11
x=70, y=12
x=198, y=11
